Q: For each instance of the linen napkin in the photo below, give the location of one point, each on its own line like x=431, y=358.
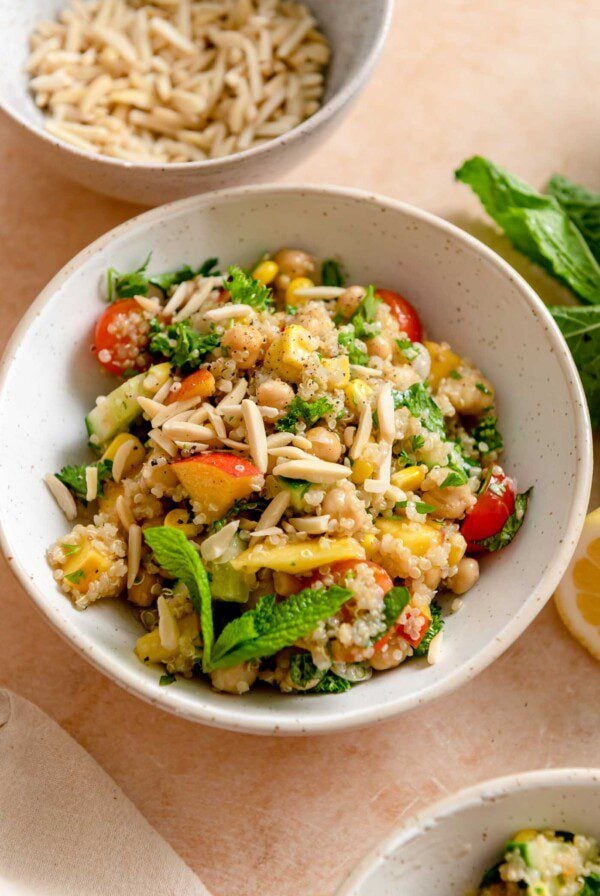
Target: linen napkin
x=66, y=829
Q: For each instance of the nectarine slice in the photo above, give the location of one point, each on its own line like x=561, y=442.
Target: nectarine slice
x=216, y=480
x=200, y=384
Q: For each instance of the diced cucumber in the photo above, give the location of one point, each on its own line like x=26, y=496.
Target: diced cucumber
x=120, y=408
x=226, y=583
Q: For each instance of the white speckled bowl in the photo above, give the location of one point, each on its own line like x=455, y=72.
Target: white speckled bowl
x=447, y=848
x=465, y=293
x=356, y=30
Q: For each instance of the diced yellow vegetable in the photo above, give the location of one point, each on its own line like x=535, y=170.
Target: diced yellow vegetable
x=179, y=519
x=338, y=371
x=295, y=284
x=458, y=546
x=357, y=392
x=135, y=457
x=265, y=272
x=288, y=354
x=369, y=543
x=107, y=503
x=361, y=470
x=443, y=362
x=417, y=537
x=149, y=649
x=525, y=835
x=301, y=557
x=408, y=479
x=85, y=565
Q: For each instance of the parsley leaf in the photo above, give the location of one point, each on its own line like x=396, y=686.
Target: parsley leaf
x=407, y=348
x=420, y=404
x=174, y=553
x=137, y=283
x=347, y=339
x=303, y=671
x=537, y=225
x=582, y=207
x=332, y=684
x=581, y=329
x=436, y=625
x=454, y=479
x=363, y=319
x=245, y=290
x=166, y=679
x=272, y=626
x=331, y=274
x=510, y=528
x=173, y=278
x=181, y=344
x=73, y=476
x=591, y=885
x=486, y=431
x=301, y=411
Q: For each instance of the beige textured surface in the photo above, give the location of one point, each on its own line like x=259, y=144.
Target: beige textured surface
x=508, y=79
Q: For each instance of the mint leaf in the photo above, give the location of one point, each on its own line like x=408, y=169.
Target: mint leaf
x=581, y=329
x=537, y=225
x=331, y=274
x=299, y=410
x=245, y=290
x=510, y=528
x=486, y=431
x=393, y=603
x=181, y=344
x=73, y=477
x=436, y=625
x=174, y=553
x=582, y=207
x=272, y=626
x=331, y=684
x=420, y=404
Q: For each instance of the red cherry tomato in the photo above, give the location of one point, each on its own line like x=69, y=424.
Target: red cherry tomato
x=121, y=338
x=408, y=319
x=494, y=506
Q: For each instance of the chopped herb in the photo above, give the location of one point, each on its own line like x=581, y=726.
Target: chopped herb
x=181, y=344
x=174, y=553
x=510, y=528
x=420, y=404
x=363, y=319
x=454, y=479
x=421, y=507
x=303, y=671
x=70, y=549
x=486, y=432
x=537, y=225
x=483, y=388
x=73, y=477
x=591, y=885
x=416, y=442
x=394, y=602
x=455, y=375
x=271, y=626
x=166, y=281
x=75, y=577
x=301, y=411
x=291, y=309
x=347, y=339
x=166, y=679
x=436, y=625
x=245, y=290
x=407, y=348
x=581, y=329
x=332, y=684
x=138, y=282
x=331, y=274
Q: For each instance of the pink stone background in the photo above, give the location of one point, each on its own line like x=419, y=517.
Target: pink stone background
x=510, y=79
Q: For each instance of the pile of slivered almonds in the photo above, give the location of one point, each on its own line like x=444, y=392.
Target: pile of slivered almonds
x=177, y=80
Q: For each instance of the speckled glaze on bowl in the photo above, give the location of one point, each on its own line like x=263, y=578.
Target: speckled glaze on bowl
x=446, y=849
x=356, y=31
x=465, y=293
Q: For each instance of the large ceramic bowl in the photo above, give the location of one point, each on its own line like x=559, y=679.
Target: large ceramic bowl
x=356, y=31
x=446, y=849
x=465, y=294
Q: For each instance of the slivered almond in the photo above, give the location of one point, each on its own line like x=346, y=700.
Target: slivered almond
x=181, y=295
x=279, y=439
x=235, y=396
x=91, y=483
x=174, y=409
x=62, y=496
x=274, y=510
x=302, y=442
x=264, y=533
x=124, y=513
x=291, y=452
x=237, y=446
x=150, y=407
x=120, y=459
x=168, y=630
x=229, y=311
x=195, y=300
x=152, y=305
x=363, y=432
x=163, y=441
x=385, y=413
x=188, y=432
x=313, y=471
x=257, y=437
x=217, y=423
x=163, y=391
x=215, y=545
x=134, y=553
x=313, y=525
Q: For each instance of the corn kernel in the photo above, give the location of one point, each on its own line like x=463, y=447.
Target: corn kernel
x=297, y=283
x=338, y=371
x=357, y=393
x=361, y=470
x=408, y=479
x=265, y=272
x=179, y=519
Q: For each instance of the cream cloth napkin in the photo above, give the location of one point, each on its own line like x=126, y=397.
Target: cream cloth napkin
x=66, y=829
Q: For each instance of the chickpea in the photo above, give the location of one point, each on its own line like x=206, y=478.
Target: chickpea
x=471, y=394
x=465, y=577
x=380, y=347
x=274, y=394
x=450, y=503
x=286, y=584
x=236, y=680
x=244, y=345
x=390, y=656
x=349, y=301
x=345, y=508
x=140, y=592
x=432, y=577
x=294, y=263
x=326, y=445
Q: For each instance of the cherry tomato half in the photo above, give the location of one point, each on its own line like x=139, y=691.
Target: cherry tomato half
x=494, y=506
x=408, y=319
x=121, y=338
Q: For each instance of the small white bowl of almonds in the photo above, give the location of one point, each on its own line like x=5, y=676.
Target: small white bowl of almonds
x=155, y=101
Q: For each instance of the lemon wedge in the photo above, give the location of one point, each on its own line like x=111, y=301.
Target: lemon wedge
x=578, y=595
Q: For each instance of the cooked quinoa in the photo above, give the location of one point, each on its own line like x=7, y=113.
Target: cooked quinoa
x=290, y=480
x=545, y=863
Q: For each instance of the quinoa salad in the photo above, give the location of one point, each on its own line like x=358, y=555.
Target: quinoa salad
x=545, y=863
x=291, y=484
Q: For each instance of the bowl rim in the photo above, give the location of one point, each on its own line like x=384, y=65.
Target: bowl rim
x=324, y=114
x=256, y=721
x=484, y=791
